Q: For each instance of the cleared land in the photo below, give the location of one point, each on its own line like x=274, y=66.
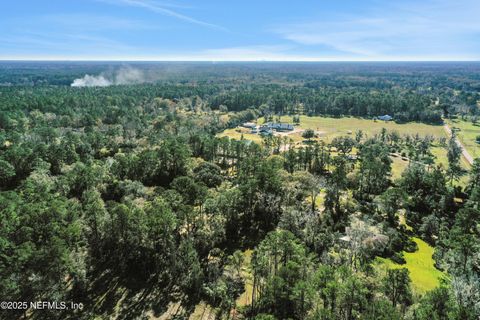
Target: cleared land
x=420, y=263
x=440, y=154
x=328, y=127
x=246, y=297
x=467, y=135
x=398, y=166
x=238, y=133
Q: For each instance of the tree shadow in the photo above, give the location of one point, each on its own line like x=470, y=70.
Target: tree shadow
x=127, y=296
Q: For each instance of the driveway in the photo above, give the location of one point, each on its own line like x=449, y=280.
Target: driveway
x=465, y=153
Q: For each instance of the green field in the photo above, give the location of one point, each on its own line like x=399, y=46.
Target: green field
x=423, y=273
x=398, y=166
x=328, y=128
x=237, y=134
x=467, y=135
x=441, y=159
x=332, y=127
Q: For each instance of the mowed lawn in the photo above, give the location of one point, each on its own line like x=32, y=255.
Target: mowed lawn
x=328, y=128
x=332, y=127
x=238, y=133
x=467, y=135
x=423, y=273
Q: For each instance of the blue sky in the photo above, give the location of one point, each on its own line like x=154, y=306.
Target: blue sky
x=240, y=30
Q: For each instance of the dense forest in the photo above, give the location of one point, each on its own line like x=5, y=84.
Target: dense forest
x=123, y=198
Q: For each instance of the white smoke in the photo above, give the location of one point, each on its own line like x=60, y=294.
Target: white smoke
x=91, y=81
x=126, y=75
x=129, y=76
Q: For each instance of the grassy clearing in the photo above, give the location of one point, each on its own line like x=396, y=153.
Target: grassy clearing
x=398, y=166
x=333, y=127
x=440, y=154
x=403, y=221
x=237, y=134
x=329, y=128
x=467, y=135
x=246, y=297
x=423, y=273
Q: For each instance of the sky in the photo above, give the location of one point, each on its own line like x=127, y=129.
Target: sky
x=240, y=30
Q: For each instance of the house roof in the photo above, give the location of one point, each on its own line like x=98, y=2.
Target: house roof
x=385, y=117
x=278, y=125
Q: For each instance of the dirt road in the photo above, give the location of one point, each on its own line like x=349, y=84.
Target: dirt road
x=465, y=153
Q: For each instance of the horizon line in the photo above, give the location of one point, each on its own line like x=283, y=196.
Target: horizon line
x=216, y=61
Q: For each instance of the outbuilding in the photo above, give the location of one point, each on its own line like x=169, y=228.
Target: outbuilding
x=385, y=118
x=249, y=125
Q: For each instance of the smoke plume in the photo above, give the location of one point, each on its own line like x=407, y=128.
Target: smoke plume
x=125, y=75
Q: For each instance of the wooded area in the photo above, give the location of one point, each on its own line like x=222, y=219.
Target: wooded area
x=124, y=197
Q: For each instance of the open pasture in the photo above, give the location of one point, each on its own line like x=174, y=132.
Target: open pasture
x=420, y=264
x=328, y=127
x=467, y=135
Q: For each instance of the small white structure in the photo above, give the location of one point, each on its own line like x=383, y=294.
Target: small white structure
x=385, y=118
x=249, y=125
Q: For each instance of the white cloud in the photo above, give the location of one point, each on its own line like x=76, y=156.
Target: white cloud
x=435, y=28
x=163, y=9
x=240, y=53
x=253, y=53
